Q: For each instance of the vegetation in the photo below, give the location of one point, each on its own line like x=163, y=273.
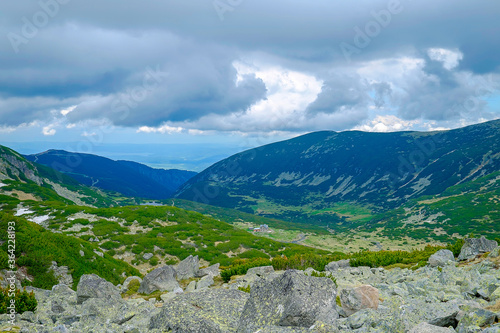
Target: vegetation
x=24, y=301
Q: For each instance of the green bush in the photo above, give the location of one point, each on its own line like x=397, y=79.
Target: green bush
x=154, y=261
x=456, y=247
x=24, y=301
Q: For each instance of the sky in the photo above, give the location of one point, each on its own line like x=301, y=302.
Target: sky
x=242, y=73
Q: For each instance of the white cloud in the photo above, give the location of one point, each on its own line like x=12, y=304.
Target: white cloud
x=164, y=129
x=64, y=112
x=48, y=131
x=387, y=123
x=449, y=58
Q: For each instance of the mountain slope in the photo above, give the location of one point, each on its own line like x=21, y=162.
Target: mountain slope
x=26, y=180
x=329, y=177
x=128, y=178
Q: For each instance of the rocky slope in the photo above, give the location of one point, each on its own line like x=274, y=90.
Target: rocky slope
x=440, y=297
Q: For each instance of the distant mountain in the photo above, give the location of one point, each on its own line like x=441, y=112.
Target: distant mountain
x=128, y=178
x=329, y=177
x=25, y=180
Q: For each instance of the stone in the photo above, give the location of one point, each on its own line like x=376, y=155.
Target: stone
x=82, y=253
x=291, y=299
x=62, y=274
x=361, y=318
x=428, y=328
x=147, y=256
x=191, y=287
x=92, y=286
x=495, y=295
x=355, y=299
x=492, y=329
x=188, y=268
x=476, y=317
x=495, y=253
x=212, y=270
x=99, y=253
x=475, y=246
x=205, y=282
x=335, y=265
x=441, y=258
x=261, y=270
x=162, y=279
x=213, y=310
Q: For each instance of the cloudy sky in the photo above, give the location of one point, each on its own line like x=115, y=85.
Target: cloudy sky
x=243, y=71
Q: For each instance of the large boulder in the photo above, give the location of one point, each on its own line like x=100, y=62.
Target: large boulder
x=476, y=317
x=188, y=268
x=261, y=270
x=335, y=265
x=428, y=328
x=474, y=246
x=205, y=282
x=355, y=299
x=291, y=299
x=92, y=286
x=162, y=278
x=212, y=270
x=215, y=310
x=441, y=258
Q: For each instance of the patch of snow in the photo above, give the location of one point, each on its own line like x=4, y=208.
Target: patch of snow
x=39, y=219
x=23, y=211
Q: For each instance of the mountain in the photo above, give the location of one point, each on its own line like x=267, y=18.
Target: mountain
x=128, y=178
x=20, y=178
x=347, y=178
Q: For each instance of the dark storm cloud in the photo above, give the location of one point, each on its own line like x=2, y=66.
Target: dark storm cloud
x=97, y=54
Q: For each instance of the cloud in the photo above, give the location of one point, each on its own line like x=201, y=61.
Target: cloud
x=48, y=131
x=139, y=66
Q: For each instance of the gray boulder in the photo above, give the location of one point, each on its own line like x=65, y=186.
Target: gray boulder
x=495, y=253
x=474, y=246
x=212, y=270
x=205, y=311
x=92, y=286
x=205, y=282
x=188, y=268
x=355, y=299
x=261, y=271
x=147, y=256
x=441, y=258
x=291, y=299
x=335, y=265
x=476, y=317
x=428, y=328
x=62, y=274
x=162, y=278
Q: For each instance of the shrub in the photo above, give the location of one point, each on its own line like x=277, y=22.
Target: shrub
x=154, y=261
x=24, y=301
x=243, y=268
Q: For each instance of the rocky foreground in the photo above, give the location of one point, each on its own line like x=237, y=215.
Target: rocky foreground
x=443, y=296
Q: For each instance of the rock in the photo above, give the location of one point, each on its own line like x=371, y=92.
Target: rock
x=162, y=278
x=205, y=282
x=495, y=295
x=188, y=268
x=361, y=318
x=147, y=256
x=191, y=287
x=475, y=246
x=170, y=296
x=441, y=258
x=492, y=329
x=495, y=253
x=212, y=270
x=260, y=271
x=334, y=265
x=291, y=299
x=215, y=310
x=92, y=286
x=358, y=298
x=99, y=253
x=476, y=317
x=428, y=328
x=82, y=253
x=62, y=274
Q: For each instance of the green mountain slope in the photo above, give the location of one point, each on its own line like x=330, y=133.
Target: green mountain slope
x=349, y=178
